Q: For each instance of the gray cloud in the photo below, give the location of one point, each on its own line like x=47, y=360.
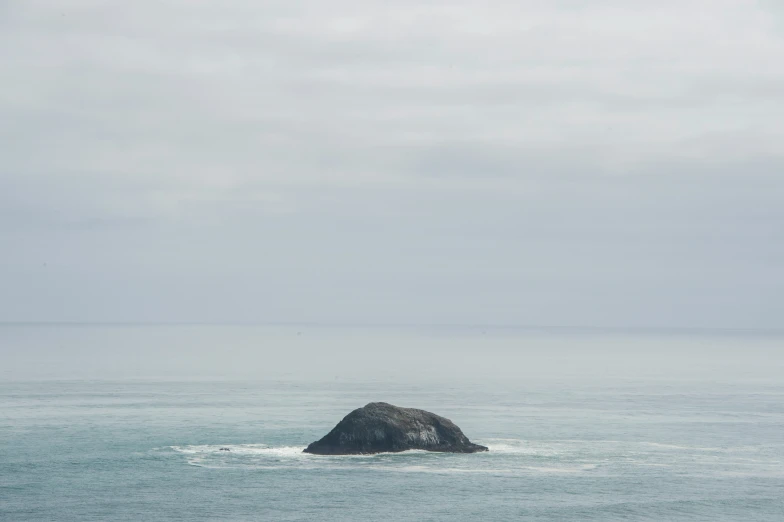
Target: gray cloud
x=514, y=162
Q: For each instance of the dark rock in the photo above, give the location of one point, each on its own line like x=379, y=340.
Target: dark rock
x=380, y=427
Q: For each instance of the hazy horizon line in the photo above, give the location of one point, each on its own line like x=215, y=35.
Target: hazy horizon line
x=334, y=324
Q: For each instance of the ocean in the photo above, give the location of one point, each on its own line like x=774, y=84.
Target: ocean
x=127, y=422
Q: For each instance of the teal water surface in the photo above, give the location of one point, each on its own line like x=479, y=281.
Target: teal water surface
x=82, y=448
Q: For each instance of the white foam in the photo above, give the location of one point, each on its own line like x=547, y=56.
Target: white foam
x=562, y=447
x=676, y=447
x=440, y=471
x=550, y=469
x=519, y=447
x=266, y=457
x=240, y=449
x=214, y=452
x=484, y=471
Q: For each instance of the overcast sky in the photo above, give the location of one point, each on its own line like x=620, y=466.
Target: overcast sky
x=430, y=161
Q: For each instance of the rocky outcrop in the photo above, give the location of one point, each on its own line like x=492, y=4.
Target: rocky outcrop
x=380, y=427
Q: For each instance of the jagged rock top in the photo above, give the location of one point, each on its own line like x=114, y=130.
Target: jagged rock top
x=380, y=427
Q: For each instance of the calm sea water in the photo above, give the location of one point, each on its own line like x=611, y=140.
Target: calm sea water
x=126, y=423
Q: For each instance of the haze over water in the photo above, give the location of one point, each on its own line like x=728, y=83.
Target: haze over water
x=126, y=422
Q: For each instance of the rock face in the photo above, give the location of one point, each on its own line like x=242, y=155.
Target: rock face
x=380, y=427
